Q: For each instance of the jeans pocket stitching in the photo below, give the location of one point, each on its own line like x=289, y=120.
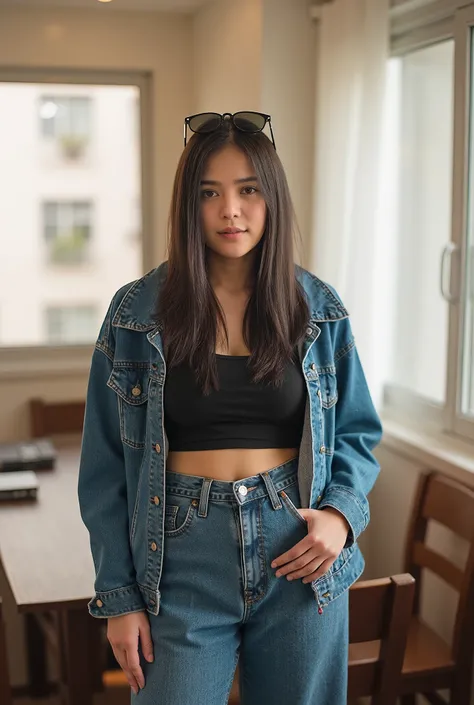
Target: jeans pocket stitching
x=292, y=507
x=186, y=523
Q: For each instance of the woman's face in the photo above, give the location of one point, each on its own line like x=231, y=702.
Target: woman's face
x=232, y=205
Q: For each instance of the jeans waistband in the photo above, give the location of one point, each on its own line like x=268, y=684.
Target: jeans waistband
x=267, y=483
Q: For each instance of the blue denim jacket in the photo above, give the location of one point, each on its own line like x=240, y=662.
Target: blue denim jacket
x=124, y=448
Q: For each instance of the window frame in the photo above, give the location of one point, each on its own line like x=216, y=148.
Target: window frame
x=416, y=24
x=457, y=422
x=22, y=362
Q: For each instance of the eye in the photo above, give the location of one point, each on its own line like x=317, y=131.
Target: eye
x=249, y=190
x=208, y=193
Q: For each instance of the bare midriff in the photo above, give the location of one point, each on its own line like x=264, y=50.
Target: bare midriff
x=229, y=465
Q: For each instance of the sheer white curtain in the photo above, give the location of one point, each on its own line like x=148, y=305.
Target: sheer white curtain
x=350, y=228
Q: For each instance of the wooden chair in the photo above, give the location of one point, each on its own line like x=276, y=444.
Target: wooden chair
x=430, y=664
x=379, y=614
x=5, y=688
x=55, y=418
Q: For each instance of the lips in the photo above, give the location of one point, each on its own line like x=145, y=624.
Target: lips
x=231, y=231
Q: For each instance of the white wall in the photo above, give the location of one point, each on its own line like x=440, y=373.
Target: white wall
x=228, y=56
x=289, y=95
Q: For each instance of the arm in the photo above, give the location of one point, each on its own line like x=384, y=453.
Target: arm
x=358, y=431
x=102, y=490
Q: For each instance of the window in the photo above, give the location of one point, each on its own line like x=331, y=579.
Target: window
x=65, y=116
x=71, y=325
x=67, y=231
x=70, y=231
x=67, y=119
x=431, y=375
x=422, y=82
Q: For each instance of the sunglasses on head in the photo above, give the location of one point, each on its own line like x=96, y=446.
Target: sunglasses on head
x=245, y=121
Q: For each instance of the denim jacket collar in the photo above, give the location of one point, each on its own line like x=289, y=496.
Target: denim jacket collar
x=137, y=310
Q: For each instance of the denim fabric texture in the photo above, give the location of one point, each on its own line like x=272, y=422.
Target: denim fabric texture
x=123, y=478
x=221, y=602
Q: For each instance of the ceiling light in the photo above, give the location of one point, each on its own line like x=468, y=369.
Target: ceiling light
x=105, y=0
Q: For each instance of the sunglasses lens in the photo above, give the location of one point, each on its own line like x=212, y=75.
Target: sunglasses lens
x=249, y=122
x=205, y=122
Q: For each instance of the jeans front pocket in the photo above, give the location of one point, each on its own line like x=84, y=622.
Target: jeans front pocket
x=180, y=512
x=290, y=497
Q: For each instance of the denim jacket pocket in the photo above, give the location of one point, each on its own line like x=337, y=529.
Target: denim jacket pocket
x=328, y=387
x=130, y=382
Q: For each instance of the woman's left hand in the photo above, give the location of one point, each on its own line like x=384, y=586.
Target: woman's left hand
x=311, y=557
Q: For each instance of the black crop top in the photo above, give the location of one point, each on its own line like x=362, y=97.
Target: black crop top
x=240, y=414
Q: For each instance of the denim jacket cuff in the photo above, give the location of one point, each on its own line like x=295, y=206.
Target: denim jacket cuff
x=347, y=503
x=113, y=603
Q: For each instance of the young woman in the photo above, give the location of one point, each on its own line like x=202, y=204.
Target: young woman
x=227, y=448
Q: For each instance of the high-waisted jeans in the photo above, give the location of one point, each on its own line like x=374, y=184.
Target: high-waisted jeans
x=221, y=601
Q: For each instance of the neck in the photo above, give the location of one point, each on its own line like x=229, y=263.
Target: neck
x=232, y=275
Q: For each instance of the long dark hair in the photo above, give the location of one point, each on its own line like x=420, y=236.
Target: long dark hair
x=191, y=316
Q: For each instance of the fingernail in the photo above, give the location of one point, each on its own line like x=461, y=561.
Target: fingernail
x=150, y=658
x=274, y=564
x=277, y=575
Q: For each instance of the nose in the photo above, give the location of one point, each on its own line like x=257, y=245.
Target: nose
x=231, y=207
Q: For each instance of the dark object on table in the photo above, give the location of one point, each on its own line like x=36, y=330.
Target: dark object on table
x=27, y=455
x=18, y=485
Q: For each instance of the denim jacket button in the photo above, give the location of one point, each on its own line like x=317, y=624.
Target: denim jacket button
x=322, y=449
x=313, y=366
x=136, y=391
x=156, y=500
x=319, y=393
x=309, y=331
x=154, y=546
x=158, y=448
x=99, y=603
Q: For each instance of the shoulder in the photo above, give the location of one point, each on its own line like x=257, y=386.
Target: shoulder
x=133, y=306
x=323, y=300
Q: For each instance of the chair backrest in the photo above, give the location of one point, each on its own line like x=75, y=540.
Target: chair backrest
x=379, y=611
x=59, y=417
x=5, y=688
x=451, y=504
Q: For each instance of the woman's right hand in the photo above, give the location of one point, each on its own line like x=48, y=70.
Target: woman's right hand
x=124, y=633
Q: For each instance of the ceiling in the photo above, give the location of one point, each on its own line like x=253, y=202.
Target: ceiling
x=158, y=5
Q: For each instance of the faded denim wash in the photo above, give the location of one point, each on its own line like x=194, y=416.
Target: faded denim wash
x=222, y=603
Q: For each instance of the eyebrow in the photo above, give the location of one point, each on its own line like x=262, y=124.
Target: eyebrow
x=207, y=182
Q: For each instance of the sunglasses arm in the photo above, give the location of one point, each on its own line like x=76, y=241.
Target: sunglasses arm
x=271, y=132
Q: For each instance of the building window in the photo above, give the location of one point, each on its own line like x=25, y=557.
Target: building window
x=67, y=231
x=72, y=325
x=69, y=223
x=67, y=119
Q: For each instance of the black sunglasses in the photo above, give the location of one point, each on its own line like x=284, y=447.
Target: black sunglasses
x=245, y=121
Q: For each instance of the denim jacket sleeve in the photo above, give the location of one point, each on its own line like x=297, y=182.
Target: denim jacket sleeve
x=357, y=431
x=102, y=489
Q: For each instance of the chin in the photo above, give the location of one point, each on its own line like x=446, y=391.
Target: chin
x=234, y=250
